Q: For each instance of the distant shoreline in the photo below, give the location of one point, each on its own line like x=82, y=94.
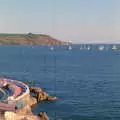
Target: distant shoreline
x=30, y=39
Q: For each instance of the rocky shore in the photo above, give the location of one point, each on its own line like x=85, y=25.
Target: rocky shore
x=29, y=39
x=20, y=107
x=26, y=113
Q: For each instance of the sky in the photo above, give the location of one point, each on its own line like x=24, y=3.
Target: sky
x=79, y=21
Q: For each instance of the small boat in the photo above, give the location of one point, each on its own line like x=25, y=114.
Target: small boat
x=100, y=48
x=114, y=47
x=51, y=48
x=70, y=48
x=88, y=47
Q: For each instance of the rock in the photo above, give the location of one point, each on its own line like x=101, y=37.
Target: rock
x=24, y=111
x=9, y=115
x=43, y=116
x=35, y=89
x=32, y=101
x=41, y=95
x=51, y=98
x=2, y=116
x=14, y=116
x=20, y=107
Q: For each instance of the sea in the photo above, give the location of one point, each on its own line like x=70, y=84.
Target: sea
x=86, y=81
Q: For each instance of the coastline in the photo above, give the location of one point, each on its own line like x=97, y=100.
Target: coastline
x=19, y=106
x=30, y=39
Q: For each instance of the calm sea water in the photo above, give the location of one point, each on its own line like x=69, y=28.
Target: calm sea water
x=86, y=82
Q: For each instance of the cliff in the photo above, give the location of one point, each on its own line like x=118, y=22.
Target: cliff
x=29, y=39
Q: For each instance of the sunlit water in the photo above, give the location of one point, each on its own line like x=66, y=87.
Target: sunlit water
x=86, y=82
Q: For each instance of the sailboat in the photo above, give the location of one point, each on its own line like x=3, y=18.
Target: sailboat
x=100, y=48
x=88, y=48
x=114, y=47
x=69, y=47
x=51, y=48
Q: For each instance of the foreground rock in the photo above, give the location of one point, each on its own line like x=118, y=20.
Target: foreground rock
x=41, y=95
x=43, y=116
x=26, y=112
x=14, y=116
x=32, y=102
x=20, y=102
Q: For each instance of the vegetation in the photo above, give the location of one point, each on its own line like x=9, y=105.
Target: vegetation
x=29, y=39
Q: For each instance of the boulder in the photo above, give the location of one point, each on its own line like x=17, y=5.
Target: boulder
x=24, y=111
x=51, y=98
x=32, y=101
x=43, y=116
x=14, y=116
x=41, y=95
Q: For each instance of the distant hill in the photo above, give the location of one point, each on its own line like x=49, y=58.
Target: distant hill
x=29, y=39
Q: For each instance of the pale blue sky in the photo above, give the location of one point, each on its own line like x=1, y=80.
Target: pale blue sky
x=74, y=20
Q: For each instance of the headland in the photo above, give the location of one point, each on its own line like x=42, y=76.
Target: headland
x=29, y=39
